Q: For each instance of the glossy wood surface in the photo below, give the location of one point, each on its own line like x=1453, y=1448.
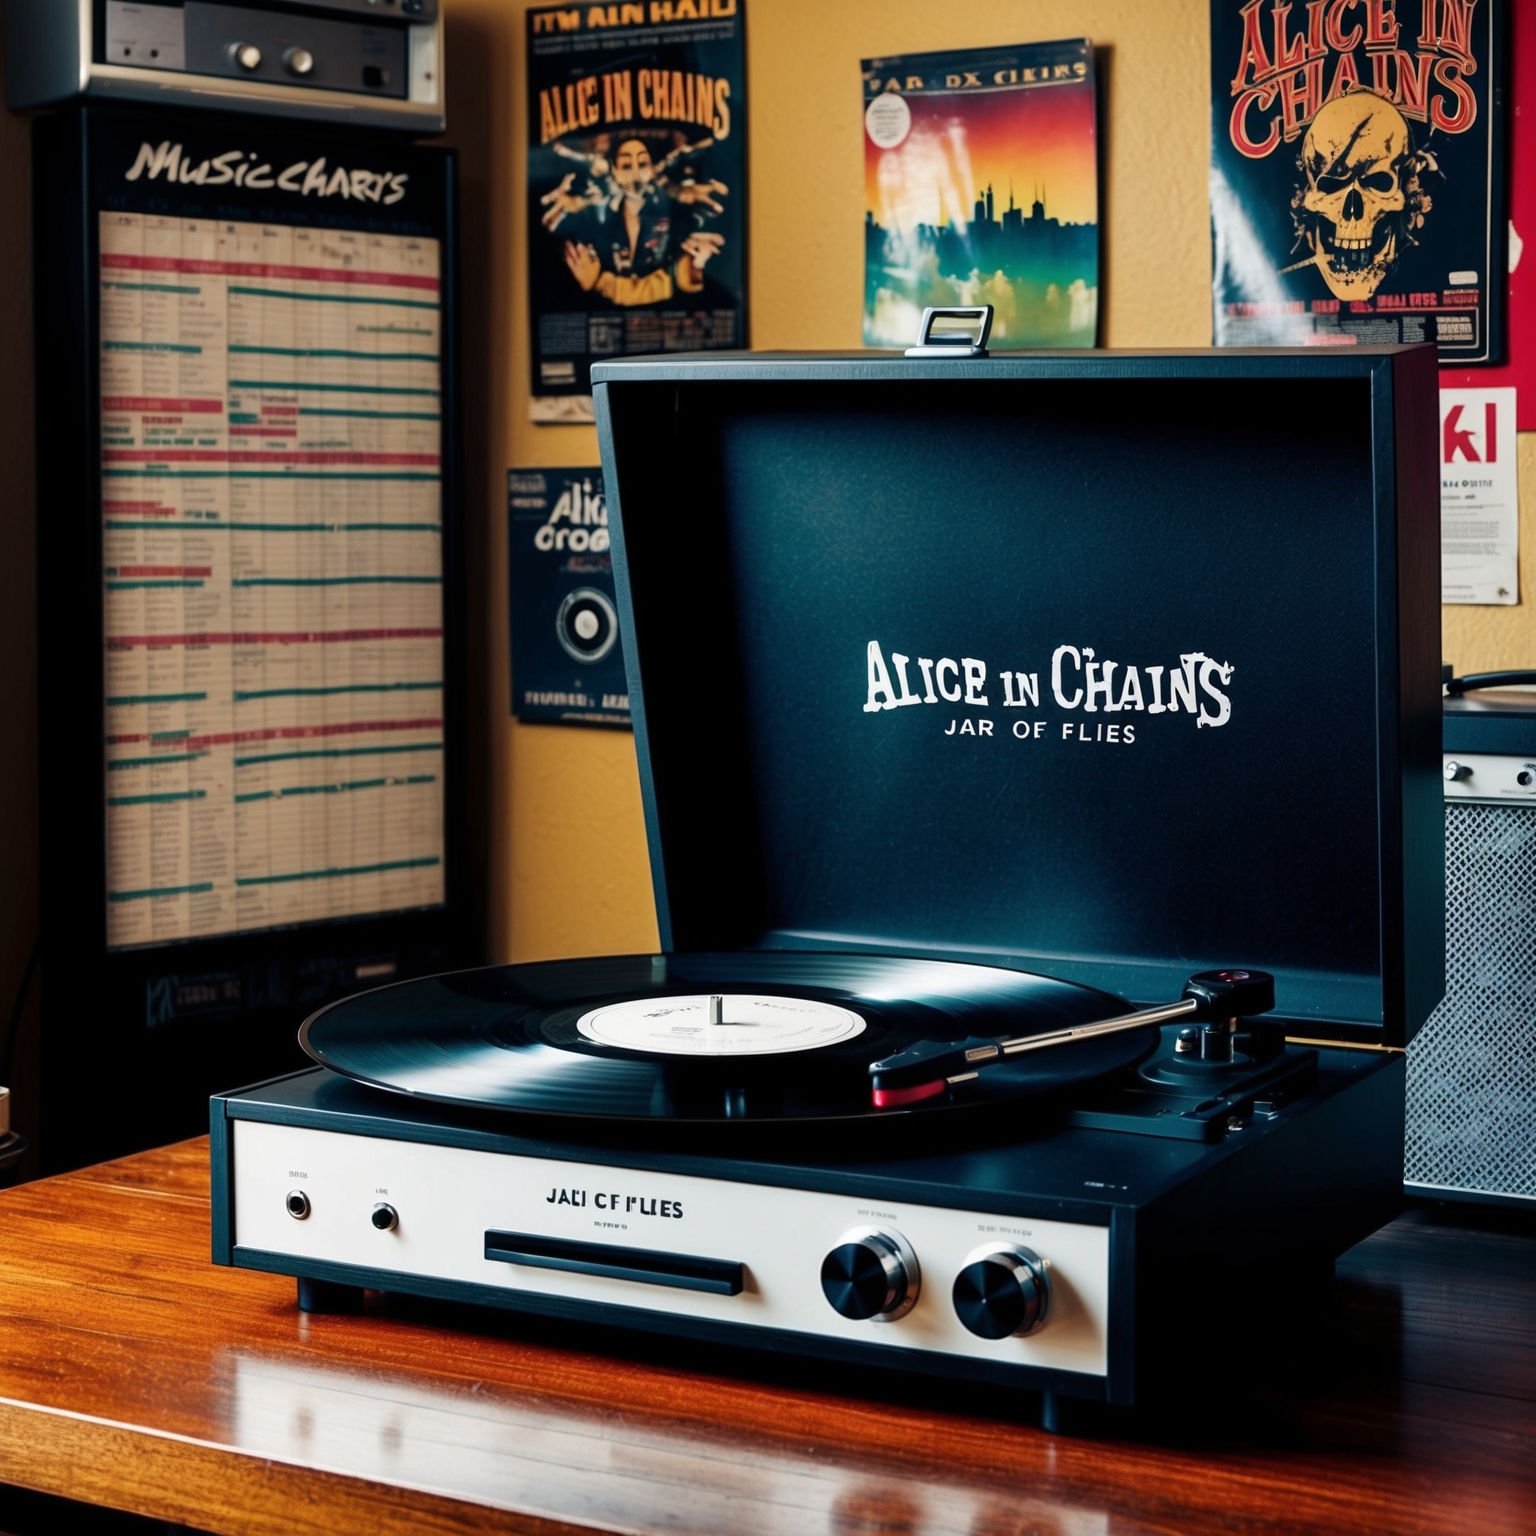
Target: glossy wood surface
x=135, y=1374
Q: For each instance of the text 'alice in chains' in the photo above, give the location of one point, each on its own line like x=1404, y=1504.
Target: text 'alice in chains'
x=1079, y=681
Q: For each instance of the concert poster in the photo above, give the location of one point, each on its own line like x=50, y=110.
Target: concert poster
x=567, y=658
x=1357, y=174
x=636, y=187
x=981, y=187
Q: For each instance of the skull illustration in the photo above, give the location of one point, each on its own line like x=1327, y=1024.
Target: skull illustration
x=1351, y=210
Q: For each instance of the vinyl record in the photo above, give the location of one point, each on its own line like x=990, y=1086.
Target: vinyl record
x=788, y=1038
x=587, y=625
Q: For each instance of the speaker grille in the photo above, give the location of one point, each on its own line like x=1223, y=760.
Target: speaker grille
x=1472, y=1068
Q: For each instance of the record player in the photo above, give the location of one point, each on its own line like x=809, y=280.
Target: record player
x=1040, y=760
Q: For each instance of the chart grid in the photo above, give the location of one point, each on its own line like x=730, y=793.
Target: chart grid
x=272, y=580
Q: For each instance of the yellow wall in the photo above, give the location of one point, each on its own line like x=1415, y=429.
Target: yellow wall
x=567, y=869
x=556, y=811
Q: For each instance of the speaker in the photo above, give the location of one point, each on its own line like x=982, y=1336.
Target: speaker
x=1471, y=1131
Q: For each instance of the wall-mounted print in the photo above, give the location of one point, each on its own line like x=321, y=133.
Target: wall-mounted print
x=1357, y=193
x=567, y=659
x=636, y=187
x=981, y=187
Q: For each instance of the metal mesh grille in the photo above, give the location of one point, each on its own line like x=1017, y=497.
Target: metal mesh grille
x=1472, y=1068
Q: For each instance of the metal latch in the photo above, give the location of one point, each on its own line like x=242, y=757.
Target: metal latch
x=958, y=330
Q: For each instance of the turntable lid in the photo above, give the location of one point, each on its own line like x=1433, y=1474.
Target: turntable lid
x=1115, y=666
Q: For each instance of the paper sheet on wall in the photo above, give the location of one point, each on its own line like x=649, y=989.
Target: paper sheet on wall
x=272, y=583
x=1479, y=497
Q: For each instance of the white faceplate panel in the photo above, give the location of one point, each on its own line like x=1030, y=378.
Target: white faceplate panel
x=1490, y=778
x=448, y=1198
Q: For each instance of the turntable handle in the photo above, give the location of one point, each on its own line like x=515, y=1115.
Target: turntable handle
x=939, y=334
x=1456, y=686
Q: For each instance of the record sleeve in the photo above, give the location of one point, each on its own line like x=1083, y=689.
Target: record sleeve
x=636, y=188
x=1357, y=191
x=981, y=187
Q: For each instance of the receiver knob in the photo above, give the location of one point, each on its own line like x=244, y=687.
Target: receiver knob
x=1455, y=772
x=246, y=55
x=299, y=61
x=1002, y=1290
x=871, y=1274
x=385, y=1217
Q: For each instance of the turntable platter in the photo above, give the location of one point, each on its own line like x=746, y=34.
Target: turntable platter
x=754, y=1037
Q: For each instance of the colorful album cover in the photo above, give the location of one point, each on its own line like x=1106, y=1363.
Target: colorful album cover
x=567, y=659
x=1357, y=191
x=636, y=187
x=981, y=186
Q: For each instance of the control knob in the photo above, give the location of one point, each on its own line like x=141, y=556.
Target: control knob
x=246, y=55
x=1001, y=1290
x=299, y=61
x=385, y=1217
x=871, y=1274
x=1455, y=772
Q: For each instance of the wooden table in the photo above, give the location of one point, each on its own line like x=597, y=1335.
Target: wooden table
x=135, y=1374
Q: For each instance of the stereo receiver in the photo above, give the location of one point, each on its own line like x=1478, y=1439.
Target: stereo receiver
x=376, y=63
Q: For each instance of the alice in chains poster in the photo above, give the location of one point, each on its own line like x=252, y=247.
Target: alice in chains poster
x=981, y=187
x=1356, y=174
x=636, y=195
x=567, y=659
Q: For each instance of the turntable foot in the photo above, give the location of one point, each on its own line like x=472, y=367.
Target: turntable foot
x=1050, y=1413
x=327, y=1296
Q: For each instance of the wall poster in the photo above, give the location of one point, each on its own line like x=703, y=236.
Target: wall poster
x=1479, y=497
x=1357, y=192
x=567, y=659
x=981, y=187
x=636, y=187
x=272, y=578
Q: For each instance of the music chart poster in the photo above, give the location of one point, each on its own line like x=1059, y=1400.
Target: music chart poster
x=981, y=187
x=567, y=660
x=1357, y=176
x=636, y=187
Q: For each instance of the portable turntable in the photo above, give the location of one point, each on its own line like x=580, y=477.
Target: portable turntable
x=1040, y=760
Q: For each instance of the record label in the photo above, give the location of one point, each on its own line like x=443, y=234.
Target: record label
x=745, y=1025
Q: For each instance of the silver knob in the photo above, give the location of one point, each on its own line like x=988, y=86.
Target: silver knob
x=1002, y=1290
x=299, y=61
x=385, y=1217
x=1455, y=772
x=297, y=1204
x=246, y=55
x=871, y=1275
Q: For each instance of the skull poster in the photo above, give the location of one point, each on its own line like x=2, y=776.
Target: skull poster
x=1357, y=193
x=636, y=187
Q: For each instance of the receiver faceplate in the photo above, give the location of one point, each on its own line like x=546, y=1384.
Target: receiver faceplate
x=449, y=1198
